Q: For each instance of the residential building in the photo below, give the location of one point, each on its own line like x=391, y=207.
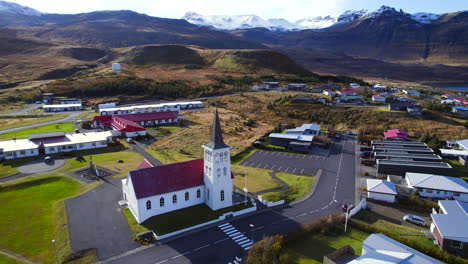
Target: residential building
x=381, y=190
x=106, y=106
x=293, y=142
x=175, y=107
x=350, y=99
x=304, y=100
x=329, y=92
x=151, y=191
x=448, y=101
x=401, y=166
x=272, y=84
x=449, y=227
x=347, y=92
x=74, y=101
x=380, y=249
x=354, y=85
x=459, y=100
x=460, y=110
x=305, y=129
x=448, y=96
x=396, y=134
x=133, y=125
x=261, y=87
x=463, y=144
x=297, y=86
x=380, y=87
x=378, y=98
x=400, y=106
x=62, y=107
x=415, y=110
x=19, y=148
x=437, y=186
x=453, y=144
x=412, y=93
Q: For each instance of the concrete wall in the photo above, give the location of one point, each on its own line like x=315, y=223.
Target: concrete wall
x=135, y=134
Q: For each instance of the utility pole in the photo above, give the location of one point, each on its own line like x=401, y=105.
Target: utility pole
x=245, y=190
x=346, y=220
x=252, y=226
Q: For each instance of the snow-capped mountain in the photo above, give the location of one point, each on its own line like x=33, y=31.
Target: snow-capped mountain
x=425, y=18
x=253, y=21
x=349, y=16
x=18, y=9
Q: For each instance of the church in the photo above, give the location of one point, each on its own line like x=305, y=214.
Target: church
x=153, y=190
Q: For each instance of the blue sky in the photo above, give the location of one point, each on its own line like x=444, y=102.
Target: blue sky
x=288, y=9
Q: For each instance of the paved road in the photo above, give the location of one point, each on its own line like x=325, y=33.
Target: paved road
x=136, y=146
x=335, y=187
x=70, y=118
x=26, y=110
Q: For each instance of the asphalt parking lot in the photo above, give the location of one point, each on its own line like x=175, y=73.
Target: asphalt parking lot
x=306, y=165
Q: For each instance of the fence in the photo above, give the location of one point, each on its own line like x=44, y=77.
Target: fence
x=268, y=203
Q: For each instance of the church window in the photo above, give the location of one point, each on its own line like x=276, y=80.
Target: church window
x=219, y=172
x=222, y=195
x=161, y=202
x=187, y=196
x=198, y=193
x=148, y=205
x=208, y=194
x=221, y=157
x=225, y=171
x=174, y=198
x=209, y=171
x=226, y=156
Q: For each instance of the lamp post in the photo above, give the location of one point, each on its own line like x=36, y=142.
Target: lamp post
x=245, y=190
x=252, y=230
x=346, y=220
x=55, y=251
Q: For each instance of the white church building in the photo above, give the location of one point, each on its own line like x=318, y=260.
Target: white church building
x=153, y=190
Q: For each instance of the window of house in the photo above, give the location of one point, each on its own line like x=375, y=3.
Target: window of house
x=198, y=193
x=226, y=156
x=9, y=154
x=23, y=152
x=186, y=196
x=221, y=157
x=222, y=195
x=174, y=198
x=161, y=202
x=457, y=244
x=456, y=194
x=429, y=191
x=148, y=205
x=438, y=192
x=208, y=194
x=218, y=172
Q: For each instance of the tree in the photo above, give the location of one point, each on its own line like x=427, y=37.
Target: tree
x=435, y=143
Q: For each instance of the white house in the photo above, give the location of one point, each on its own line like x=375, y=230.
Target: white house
x=380, y=87
x=354, y=85
x=437, y=186
x=380, y=249
x=175, y=107
x=73, y=141
x=381, y=190
x=19, y=148
x=62, y=107
x=151, y=191
x=329, y=92
x=305, y=129
x=378, y=98
x=412, y=92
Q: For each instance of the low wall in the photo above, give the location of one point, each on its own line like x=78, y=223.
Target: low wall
x=268, y=203
x=362, y=204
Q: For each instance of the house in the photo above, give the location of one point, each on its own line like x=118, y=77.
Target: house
x=175, y=107
x=151, y=191
x=48, y=98
x=381, y=190
x=347, y=92
x=453, y=144
x=402, y=99
x=448, y=96
x=329, y=92
x=447, y=101
x=437, y=186
x=260, y=87
x=305, y=129
x=62, y=107
x=401, y=166
x=69, y=101
x=460, y=110
x=292, y=141
x=463, y=144
x=350, y=99
x=412, y=93
x=303, y=100
x=396, y=134
x=19, y=148
x=354, y=85
x=272, y=84
x=459, y=100
x=379, y=87
x=415, y=110
x=297, y=86
x=380, y=249
x=400, y=106
x=132, y=125
x=449, y=227
x=378, y=98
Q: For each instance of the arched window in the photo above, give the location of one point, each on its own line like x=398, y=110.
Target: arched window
x=174, y=198
x=216, y=157
x=207, y=194
x=225, y=171
x=187, y=196
x=222, y=195
x=226, y=156
x=221, y=157
x=148, y=205
x=161, y=202
x=198, y=193
x=209, y=169
x=218, y=171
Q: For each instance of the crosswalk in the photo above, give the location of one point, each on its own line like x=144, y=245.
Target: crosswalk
x=237, y=236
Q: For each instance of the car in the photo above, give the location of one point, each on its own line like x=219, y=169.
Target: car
x=48, y=160
x=337, y=136
x=347, y=206
x=414, y=220
x=351, y=133
x=130, y=140
x=38, y=102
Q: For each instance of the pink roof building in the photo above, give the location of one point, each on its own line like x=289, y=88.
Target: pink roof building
x=396, y=134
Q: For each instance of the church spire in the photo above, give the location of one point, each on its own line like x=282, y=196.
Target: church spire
x=216, y=141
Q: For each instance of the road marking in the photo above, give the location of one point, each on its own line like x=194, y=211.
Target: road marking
x=233, y=233
x=226, y=224
x=201, y=247
x=246, y=242
x=237, y=237
x=247, y=248
x=304, y=214
x=284, y=220
x=316, y=158
x=265, y=166
x=294, y=170
x=325, y=207
x=302, y=171
x=242, y=240
x=303, y=156
x=229, y=229
x=161, y=261
x=280, y=168
x=259, y=165
x=219, y=241
x=180, y=255
x=311, y=157
x=273, y=167
x=287, y=169
x=260, y=227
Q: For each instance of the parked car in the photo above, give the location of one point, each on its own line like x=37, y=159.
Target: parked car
x=347, y=206
x=130, y=140
x=366, y=153
x=38, y=102
x=352, y=133
x=48, y=160
x=415, y=220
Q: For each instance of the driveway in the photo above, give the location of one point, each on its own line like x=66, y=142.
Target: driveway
x=39, y=166
x=95, y=221
x=395, y=215
x=136, y=146
x=306, y=165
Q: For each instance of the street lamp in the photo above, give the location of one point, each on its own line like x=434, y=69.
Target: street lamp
x=55, y=251
x=346, y=220
x=245, y=190
x=252, y=229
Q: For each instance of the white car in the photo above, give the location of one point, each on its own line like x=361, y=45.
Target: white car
x=414, y=219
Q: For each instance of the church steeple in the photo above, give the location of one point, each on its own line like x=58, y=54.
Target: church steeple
x=216, y=141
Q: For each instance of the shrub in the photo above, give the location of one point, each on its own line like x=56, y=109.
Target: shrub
x=266, y=251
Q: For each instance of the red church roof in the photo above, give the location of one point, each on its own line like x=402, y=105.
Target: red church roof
x=145, y=164
x=167, y=178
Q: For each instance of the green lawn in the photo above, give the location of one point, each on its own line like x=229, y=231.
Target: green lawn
x=24, y=120
x=27, y=222
x=257, y=179
x=458, y=169
x=131, y=160
x=7, y=260
x=300, y=187
x=10, y=167
x=65, y=127
x=311, y=249
x=180, y=219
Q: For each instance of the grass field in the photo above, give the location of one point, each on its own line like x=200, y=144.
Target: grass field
x=458, y=169
x=27, y=222
x=7, y=260
x=300, y=187
x=7, y=122
x=10, y=167
x=311, y=249
x=163, y=131
x=257, y=179
x=65, y=127
x=180, y=219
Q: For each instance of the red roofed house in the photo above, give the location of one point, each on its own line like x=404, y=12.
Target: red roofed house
x=346, y=92
x=132, y=125
x=396, y=134
x=459, y=100
x=378, y=98
x=151, y=191
x=447, y=96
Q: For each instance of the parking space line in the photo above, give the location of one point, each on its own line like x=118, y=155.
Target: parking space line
x=265, y=166
x=287, y=169
x=302, y=171
x=273, y=167
x=259, y=165
x=294, y=170
x=280, y=168
x=303, y=156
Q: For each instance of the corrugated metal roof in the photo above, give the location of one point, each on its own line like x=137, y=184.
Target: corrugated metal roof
x=381, y=186
x=47, y=135
x=437, y=182
x=453, y=224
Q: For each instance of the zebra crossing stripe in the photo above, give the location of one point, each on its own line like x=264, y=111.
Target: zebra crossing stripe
x=231, y=232
x=234, y=234
x=226, y=227
x=237, y=237
x=241, y=240
x=249, y=242
x=247, y=248
x=226, y=224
